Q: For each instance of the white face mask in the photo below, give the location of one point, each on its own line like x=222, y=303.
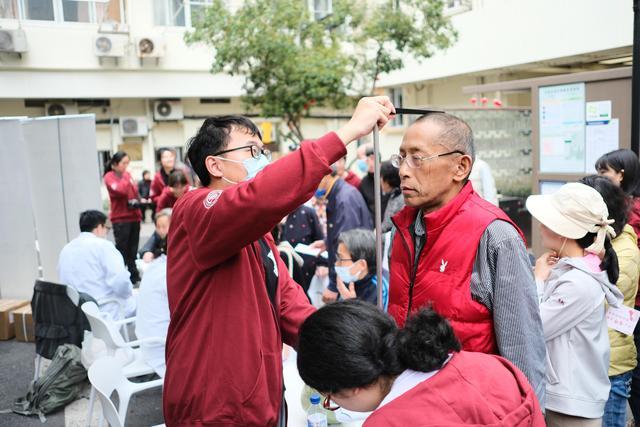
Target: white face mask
x=251, y=165
x=345, y=275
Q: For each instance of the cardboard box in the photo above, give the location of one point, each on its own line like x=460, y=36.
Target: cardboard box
x=24, y=324
x=7, y=322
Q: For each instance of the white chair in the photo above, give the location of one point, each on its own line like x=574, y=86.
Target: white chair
x=128, y=356
x=106, y=376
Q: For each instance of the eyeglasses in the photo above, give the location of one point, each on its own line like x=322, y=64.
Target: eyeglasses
x=255, y=151
x=414, y=161
x=344, y=259
x=326, y=404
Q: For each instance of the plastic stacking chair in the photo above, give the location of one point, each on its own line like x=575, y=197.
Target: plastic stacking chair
x=106, y=376
x=127, y=354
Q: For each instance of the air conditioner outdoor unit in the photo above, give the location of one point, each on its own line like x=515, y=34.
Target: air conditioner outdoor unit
x=133, y=126
x=60, y=109
x=167, y=110
x=150, y=47
x=13, y=41
x=110, y=45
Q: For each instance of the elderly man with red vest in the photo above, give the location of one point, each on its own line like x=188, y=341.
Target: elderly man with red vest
x=460, y=254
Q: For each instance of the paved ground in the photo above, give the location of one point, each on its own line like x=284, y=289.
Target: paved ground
x=17, y=369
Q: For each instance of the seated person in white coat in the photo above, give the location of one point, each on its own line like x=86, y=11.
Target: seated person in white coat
x=152, y=320
x=91, y=264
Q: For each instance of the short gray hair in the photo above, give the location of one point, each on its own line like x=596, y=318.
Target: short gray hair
x=164, y=212
x=361, y=244
x=456, y=133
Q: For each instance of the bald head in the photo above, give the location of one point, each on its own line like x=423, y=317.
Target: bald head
x=454, y=133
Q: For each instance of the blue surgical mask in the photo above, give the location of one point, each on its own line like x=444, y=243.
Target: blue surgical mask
x=362, y=165
x=320, y=193
x=345, y=275
x=253, y=166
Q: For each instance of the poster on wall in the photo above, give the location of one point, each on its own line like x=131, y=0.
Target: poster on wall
x=601, y=138
x=562, y=128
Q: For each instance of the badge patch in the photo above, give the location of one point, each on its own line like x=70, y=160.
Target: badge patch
x=211, y=199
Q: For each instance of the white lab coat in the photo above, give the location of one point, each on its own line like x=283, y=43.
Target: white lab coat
x=94, y=266
x=152, y=319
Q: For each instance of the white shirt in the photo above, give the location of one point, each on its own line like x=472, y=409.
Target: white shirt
x=152, y=319
x=94, y=266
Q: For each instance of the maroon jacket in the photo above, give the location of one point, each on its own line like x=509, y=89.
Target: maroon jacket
x=352, y=179
x=167, y=199
x=160, y=181
x=121, y=190
x=224, y=344
x=473, y=389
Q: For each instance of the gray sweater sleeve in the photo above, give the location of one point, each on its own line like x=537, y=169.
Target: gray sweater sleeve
x=503, y=281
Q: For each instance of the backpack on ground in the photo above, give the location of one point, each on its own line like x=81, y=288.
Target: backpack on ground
x=59, y=385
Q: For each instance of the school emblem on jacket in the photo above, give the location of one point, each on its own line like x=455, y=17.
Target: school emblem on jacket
x=443, y=266
x=211, y=198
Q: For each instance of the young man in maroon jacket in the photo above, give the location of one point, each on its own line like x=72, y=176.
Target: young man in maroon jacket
x=231, y=299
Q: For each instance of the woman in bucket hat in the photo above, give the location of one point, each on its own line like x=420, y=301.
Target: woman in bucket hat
x=575, y=278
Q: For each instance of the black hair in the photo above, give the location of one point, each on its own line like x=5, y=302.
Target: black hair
x=212, y=137
x=162, y=150
x=390, y=174
x=609, y=262
x=352, y=343
x=361, y=243
x=144, y=172
x=614, y=197
x=114, y=160
x=177, y=177
x=625, y=161
x=90, y=219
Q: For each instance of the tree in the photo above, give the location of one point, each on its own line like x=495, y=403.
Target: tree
x=293, y=61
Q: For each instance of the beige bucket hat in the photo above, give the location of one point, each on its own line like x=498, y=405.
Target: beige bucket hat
x=572, y=212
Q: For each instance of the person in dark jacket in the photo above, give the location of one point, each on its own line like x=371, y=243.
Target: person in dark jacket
x=367, y=184
x=144, y=188
x=157, y=243
x=303, y=226
x=231, y=298
x=415, y=376
x=356, y=267
x=390, y=185
x=346, y=210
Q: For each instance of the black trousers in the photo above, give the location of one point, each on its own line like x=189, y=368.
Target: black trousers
x=127, y=235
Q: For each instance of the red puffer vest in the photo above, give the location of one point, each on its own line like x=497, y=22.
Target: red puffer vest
x=442, y=276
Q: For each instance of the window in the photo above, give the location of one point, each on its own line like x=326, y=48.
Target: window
x=454, y=7
x=395, y=94
x=8, y=9
x=178, y=13
x=88, y=11
x=321, y=8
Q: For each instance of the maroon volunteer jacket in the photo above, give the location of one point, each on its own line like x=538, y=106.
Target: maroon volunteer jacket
x=223, y=351
x=442, y=275
x=160, y=182
x=167, y=199
x=122, y=189
x=472, y=389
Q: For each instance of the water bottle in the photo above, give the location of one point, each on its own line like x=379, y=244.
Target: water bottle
x=315, y=416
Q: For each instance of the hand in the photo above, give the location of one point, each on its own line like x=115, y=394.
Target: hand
x=544, y=264
x=329, y=296
x=147, y=257
x=370, y=111
x=322, y=271
x=319, y=244
x=344, y=292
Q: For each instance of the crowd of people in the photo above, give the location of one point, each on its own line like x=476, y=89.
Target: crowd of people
x=470, y=331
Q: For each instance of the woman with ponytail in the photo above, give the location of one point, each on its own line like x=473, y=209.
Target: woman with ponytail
x=125, y=210
x=354, y=354
x=575, y=278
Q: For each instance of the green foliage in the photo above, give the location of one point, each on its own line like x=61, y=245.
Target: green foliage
x=292, y=62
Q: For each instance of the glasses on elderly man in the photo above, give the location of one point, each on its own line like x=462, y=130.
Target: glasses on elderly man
x=255, y=151
x=414, y=161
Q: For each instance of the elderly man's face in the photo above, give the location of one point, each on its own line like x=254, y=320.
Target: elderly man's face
x=436, y=181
